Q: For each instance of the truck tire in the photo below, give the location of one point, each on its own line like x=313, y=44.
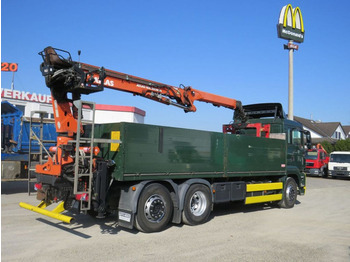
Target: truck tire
x=325, y=173
x=197, y=205
x=154, y=209
x=290, y=193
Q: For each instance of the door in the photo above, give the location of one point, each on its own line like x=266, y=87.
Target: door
x=296, y=151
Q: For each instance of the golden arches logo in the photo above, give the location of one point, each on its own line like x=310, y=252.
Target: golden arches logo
x=290, y=24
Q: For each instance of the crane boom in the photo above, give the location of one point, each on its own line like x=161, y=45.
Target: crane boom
x=81, y=78
x=167, y=94
x=63, y=76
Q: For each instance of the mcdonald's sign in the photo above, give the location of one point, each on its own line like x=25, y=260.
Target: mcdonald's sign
x=290, y=24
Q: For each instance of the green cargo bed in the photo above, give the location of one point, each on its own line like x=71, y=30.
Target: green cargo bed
x=158, y=152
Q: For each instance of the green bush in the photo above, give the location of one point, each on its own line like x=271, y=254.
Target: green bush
x=327, y=146
x=340, y=145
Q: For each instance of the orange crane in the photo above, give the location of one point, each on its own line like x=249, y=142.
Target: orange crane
x=63, y=76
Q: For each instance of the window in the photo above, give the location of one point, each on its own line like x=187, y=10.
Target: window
x=336, y=135
x=322, y=156
x=294, y=137
x=340, y=158
x=289, y=138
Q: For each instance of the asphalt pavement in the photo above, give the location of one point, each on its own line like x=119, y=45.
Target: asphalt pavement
x=316, y=229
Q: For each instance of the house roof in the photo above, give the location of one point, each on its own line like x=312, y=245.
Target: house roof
x=320, y=140
x=315, y=126
x=346, y=129
x=329, y=128
x=324, y=129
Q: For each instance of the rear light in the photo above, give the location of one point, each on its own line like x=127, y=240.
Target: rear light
x=82, y=197
x=38, y=186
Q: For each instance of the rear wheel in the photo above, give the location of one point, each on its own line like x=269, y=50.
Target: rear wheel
x=154, y=208
x=197, y=205
x=289, y=194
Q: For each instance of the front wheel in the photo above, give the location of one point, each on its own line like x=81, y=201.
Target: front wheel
x=197, y=205
x=325, y=173
x=290, y=193
x=154, y=208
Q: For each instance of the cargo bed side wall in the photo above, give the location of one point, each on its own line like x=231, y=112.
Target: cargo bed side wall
x=152, y=149
x=154, y=152
x=257, y=156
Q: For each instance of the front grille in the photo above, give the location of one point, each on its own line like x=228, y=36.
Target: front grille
x=340, y=168
x=309, y=164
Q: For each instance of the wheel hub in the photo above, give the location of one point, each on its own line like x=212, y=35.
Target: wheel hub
x=198, y=203
x=154, y=208
x=290, y=193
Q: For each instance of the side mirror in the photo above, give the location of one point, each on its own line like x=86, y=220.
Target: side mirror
x=308, y=139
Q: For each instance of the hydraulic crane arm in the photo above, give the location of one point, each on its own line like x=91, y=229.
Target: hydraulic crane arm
x=64, y=75
x=167, y=94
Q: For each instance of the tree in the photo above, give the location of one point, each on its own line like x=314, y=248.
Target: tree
x=342, y=145
x=327, y=146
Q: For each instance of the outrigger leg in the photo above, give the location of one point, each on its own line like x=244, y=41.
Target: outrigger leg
x=55, y=213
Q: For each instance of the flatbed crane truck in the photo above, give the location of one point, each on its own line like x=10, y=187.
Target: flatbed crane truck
x=317, y=161
x=153, y=175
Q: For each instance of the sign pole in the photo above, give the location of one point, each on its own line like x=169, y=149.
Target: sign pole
x=12, y=83
x=290, y=83
x=291, y=27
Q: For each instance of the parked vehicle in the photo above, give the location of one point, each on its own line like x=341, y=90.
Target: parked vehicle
x=15, y=141
x=339, y=164
x=317, y=161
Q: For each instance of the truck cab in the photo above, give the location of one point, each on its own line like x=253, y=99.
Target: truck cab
x=339, y=164
x=317, y=162
x=297, y=139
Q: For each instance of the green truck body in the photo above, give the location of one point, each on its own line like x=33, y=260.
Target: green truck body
x=151, y=175
x=196, y=169
x=157, y=152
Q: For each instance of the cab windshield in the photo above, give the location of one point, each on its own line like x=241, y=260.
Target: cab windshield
x=340, y=158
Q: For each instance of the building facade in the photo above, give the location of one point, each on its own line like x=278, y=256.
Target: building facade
x=28, y=102
x=323, y=131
